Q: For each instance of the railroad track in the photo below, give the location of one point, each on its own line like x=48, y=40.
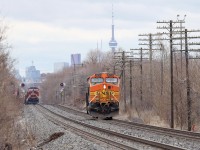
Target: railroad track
x=101, y=131
x=182, y=136
x=80, y=132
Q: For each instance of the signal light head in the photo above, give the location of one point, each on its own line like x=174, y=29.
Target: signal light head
x=22, y=85
x=62, y=84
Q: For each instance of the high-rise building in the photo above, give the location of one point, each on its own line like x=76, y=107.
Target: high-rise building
x=75, y=59
x=17, y=75
x=32, y=75
x=59, y=66
x=113, y=42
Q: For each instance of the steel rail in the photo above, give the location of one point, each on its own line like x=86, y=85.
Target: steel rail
x=127, y=137
x=81, y=132
x=167, y=131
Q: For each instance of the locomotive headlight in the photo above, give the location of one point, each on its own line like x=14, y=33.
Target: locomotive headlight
x=104, y=86
x=97, y=99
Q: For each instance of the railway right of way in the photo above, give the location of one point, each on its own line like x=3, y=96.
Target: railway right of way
x=126, y=140
x=179, y=138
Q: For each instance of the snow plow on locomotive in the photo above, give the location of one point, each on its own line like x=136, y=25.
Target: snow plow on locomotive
x=32, y=96
x=102, y=98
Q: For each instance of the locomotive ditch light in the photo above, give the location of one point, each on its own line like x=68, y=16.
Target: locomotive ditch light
x=104, y=86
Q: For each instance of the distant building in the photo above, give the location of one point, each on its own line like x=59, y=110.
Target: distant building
x=32, y=75
x=59, y=66
x=17, y=75
x=75, y=59
x=44, y=76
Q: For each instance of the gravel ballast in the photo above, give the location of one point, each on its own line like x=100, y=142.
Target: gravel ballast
x=42, y=129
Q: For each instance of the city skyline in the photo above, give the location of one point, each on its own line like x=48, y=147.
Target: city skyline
x=50, y=31
x=32, y=74
x=59, y=66
x=75, y=59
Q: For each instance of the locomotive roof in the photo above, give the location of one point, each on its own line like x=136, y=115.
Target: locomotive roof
x=104, y=74
x=33, y=88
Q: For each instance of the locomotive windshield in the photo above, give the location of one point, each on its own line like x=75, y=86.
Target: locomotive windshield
x=96, y=80
x=112, y=80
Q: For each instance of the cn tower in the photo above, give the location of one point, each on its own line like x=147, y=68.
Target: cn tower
x=113, y=42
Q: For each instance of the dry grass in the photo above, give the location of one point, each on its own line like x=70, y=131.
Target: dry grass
x=9, y=110
x=10, y=107
x=152, y=110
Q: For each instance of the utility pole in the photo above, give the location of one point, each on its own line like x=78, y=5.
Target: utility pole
x=141, y=76
x=131, y=86
x=150, y=44
x=188, y=86
x=172, y=78
x=140, y=58
x=124, y=79
x=187, y=50
x=181, y=40
x=171, y=29
x=150, y=57
x=162, y=69
x=122, y=58
x=74, y=80
x=188, y=83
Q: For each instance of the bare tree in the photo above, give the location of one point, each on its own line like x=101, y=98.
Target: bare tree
x=9, y=106
x=75, y=82
x=147, y=109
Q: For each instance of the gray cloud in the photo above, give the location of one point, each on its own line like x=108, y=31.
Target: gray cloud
x=76, y=25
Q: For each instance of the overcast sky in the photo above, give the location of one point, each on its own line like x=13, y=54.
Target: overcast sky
x=48, y=31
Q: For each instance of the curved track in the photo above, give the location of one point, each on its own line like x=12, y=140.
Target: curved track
x=171, y=132
x=182, y=136
x=52, y=117
x=124, y=137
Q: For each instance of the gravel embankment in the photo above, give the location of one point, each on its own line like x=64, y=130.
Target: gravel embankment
x=40, y=133
x=41, y=129
x=180, y=142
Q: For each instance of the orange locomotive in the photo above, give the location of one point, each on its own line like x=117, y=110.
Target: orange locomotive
x=102, y=98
